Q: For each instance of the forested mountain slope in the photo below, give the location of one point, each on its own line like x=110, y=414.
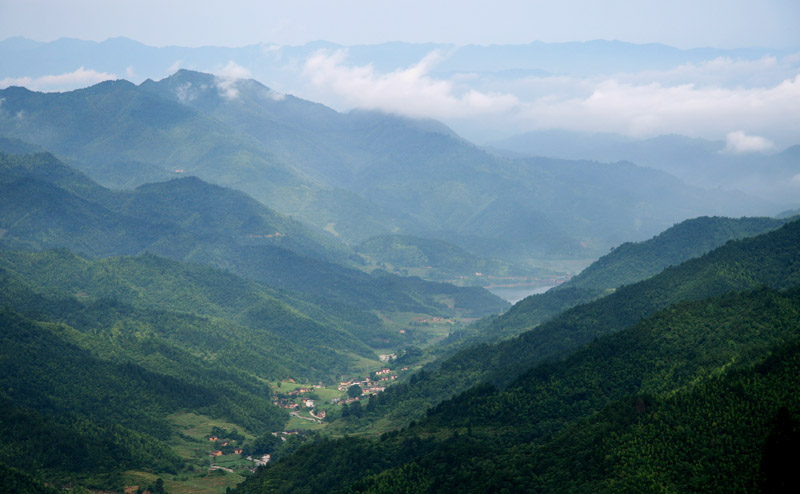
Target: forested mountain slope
x=771, y=259
x=78, y=405
x=47, y=205
x=440, y=260
x=683, y=400
x=626, y=264
x=236, y=309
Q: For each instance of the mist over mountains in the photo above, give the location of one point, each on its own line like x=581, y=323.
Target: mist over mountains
x=357, y=174
x=485, y=93
x=268, y=268
x=711, y=164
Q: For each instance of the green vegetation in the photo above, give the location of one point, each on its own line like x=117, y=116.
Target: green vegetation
x=159, y=335
x=684, y=400
x=627, y=264
x=14, y=480
x=204, y=312
x=50, y=205
x=439, y=260
x=770, y=259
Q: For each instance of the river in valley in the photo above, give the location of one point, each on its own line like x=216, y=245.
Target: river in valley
x=515, y=293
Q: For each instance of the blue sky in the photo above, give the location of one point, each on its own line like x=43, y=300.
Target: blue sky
x=680, y=23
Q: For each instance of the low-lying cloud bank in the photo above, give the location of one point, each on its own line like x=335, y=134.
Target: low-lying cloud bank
x=726, y=102
x=81, y=77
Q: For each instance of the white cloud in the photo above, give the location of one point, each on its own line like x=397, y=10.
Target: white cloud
x=275, y=95
x=232, y=70
x=650, y=109
x=227, y=88
x=129, y=72
x=639, y=106
x=272, y=50
x=228, y=77
x=410, y=91
x=61, y=82
x=185, y=93
x=738, y=142
x=722, y=71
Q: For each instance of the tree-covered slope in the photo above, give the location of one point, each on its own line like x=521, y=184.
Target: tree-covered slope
x=21, y=483
x=175, y=206
x=629, y=263
x=683, y=400
x=205, y=311
x=90, y=404
x=439, y=259
x=50, y=205
x=771, y=259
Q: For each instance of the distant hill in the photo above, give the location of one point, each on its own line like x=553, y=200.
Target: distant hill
x=696, y=161
x=21, y=57
x=189, y=220
x=359, y=174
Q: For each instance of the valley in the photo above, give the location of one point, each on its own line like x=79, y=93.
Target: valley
x=209, y=286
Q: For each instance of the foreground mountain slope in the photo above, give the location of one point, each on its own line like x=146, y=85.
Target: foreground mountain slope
x=769, y=259
x=79, y=409
x=702, y=380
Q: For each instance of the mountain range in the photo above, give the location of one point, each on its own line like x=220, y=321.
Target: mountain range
x=358, y=174
x=199, y=268
x=704, y=163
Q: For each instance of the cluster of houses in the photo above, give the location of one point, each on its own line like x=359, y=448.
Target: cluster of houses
x=369, y=386
x=289, y=403
x=223, y=444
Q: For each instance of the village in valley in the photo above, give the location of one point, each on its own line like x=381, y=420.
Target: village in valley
x=315, y=402
x=309, y=406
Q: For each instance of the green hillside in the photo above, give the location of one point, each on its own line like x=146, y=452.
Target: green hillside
x=629, y=263
x=683, y=400
x=218, y=312
x=440, y=260
x=50, y=205
x=88, y=408
x=770, y=259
